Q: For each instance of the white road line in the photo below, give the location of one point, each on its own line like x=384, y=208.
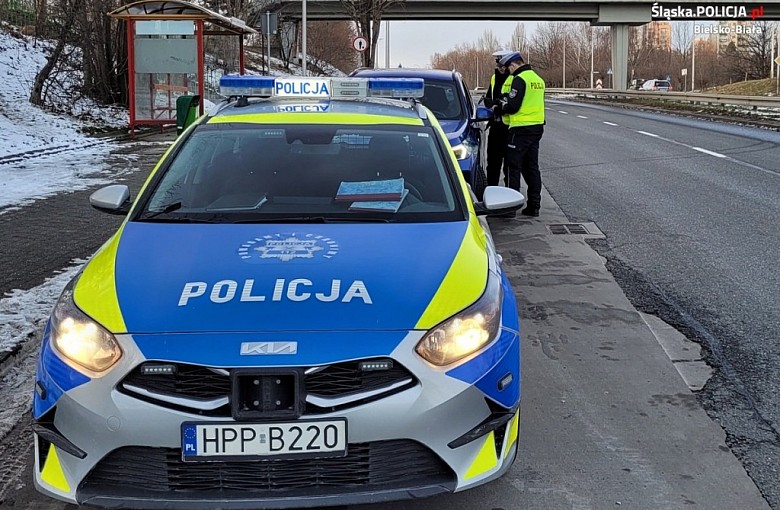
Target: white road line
x=705, y=151
x=547, y=108
x=581, y=117
x=563, y=112
x=714, y=154
x=609, y=123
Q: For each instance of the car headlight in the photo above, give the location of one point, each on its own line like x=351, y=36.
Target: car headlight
x=467, y=331
x=462, y=151
x=80, y=339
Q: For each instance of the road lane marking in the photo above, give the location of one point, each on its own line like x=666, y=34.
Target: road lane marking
x=581, y=117
x=714, y=154
x=563, y=112
x=609, y=123
x=705, y=151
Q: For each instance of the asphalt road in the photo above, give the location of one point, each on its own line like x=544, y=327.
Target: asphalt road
x=607, y=420
x=690, y=211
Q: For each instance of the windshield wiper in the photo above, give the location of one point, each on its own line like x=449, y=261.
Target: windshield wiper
x=181, y=219
x=314, y=219
x=165, y=210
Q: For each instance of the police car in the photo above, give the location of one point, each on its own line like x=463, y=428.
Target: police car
x=302, y=307
x=448, y=97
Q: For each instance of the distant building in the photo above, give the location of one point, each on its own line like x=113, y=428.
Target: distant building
x=736, y=32
x=657, y=34
x=727, y=34
x=707, y=44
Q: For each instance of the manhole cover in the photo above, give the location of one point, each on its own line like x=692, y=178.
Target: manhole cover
x=568, y=228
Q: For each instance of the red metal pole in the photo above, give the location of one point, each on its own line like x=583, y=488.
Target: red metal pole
x=131, y=72
x=201, y=64
x=241, y=53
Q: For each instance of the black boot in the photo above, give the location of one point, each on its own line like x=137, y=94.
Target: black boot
x=531, y=210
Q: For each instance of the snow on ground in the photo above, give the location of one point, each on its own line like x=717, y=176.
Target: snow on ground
x=24, y=313
x=25, y=127
x=28, y=180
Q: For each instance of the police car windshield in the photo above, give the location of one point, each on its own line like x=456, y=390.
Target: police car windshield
x=250, y=173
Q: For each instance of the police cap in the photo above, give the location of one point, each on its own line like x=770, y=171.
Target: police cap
x=510, y=57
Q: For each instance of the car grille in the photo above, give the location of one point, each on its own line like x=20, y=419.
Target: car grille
x=141, y=471
x=198, y=383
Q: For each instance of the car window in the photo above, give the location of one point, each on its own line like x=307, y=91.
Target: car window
x=467, y=96
x=243, y=172
x=661, y=83
x=442, y=99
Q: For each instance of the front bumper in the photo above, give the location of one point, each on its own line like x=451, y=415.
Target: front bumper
x=405, y=445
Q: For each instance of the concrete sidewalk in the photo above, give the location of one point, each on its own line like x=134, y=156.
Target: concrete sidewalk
x=607, y=419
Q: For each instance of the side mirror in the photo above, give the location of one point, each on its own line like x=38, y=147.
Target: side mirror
x=499, y=200
x=114, y=199
x=482, y=114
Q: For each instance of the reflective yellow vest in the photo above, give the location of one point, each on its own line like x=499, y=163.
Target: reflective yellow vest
x=505, y=88
x=531, y=112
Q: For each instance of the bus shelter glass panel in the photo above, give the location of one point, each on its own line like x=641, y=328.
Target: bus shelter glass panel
x=166, y=67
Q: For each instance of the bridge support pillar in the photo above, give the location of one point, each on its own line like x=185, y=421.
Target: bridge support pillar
x=619, y=33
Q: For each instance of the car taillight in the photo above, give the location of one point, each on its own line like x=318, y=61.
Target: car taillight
x=655, y=88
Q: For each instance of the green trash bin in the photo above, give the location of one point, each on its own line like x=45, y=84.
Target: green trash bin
x=186, y=112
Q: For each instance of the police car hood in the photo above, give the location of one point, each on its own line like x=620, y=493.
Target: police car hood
x=237, y=278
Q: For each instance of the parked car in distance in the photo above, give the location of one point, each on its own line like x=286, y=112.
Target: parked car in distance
x=657, y=85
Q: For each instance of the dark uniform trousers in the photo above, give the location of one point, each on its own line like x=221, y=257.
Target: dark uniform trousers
x=523, y=155
x=496, y=152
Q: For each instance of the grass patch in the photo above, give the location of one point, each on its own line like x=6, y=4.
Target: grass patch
x=765, y=87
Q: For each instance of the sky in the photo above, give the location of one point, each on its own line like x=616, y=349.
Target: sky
x=413, y=43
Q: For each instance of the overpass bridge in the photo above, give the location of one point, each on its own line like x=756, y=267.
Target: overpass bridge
x=619, y=15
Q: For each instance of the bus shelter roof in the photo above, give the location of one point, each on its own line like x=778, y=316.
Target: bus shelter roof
x=179, y=10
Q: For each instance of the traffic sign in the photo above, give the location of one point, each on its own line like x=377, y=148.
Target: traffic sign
x=685, y=71
x=777, y=61
x=609, y=71
x=360, y=43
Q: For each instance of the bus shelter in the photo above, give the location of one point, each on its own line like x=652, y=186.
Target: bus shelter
x=166, y=57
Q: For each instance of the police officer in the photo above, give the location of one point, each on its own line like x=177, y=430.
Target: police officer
x=524, y=110
x=496, y=145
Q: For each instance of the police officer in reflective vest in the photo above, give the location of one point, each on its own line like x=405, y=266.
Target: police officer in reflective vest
x=524, y=111
x=496, y=145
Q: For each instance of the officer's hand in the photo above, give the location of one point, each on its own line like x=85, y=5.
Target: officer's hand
x=496, y=109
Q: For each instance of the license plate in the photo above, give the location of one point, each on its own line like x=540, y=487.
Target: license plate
x=248, y=441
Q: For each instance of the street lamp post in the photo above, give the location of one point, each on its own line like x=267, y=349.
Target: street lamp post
x=693, y=61
x=387, y=44
x=303, y=39
x=564, y=60
x=591, y=57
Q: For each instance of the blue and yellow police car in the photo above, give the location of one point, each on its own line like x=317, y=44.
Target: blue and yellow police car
x=302, y=307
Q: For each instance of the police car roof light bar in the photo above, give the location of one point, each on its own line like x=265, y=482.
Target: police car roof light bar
x=396, y=87
x=233, y=86
x=268, y=86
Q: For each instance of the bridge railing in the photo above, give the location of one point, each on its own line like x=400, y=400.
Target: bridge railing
x=687, y=97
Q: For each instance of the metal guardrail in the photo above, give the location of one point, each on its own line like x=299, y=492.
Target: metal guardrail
x=687, y=97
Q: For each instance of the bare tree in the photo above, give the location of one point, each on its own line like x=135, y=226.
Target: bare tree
x=756, y=48
x=367, y=16
x=69, y=13
x=329, y=44
x=518, y=41
x=488, y=42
